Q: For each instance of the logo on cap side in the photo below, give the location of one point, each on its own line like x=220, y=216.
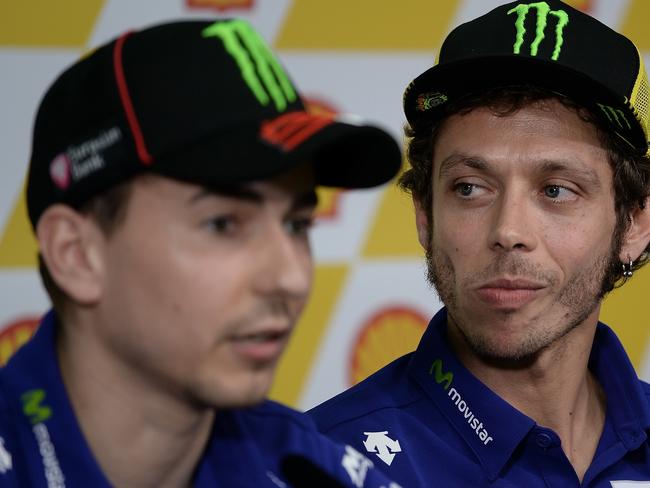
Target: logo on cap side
x=426, y=101
x=81, y=160
x=60, y=171
x=615, y=116
x=543, y=11
x=259, y=68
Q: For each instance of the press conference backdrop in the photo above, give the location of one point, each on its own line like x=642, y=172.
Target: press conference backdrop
x=370, y=302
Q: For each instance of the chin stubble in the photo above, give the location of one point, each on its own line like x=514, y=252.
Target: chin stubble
x=579, y=297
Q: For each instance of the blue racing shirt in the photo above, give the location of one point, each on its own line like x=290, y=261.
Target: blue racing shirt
x=431, y=423
x=41, y=444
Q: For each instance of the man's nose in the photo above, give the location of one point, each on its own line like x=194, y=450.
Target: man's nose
x=286, y=266
x=511, y=219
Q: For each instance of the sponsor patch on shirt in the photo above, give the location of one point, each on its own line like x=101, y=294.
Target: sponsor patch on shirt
x=383, y=446
x=357, y=465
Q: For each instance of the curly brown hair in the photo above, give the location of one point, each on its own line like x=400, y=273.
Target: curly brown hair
x=631, y=169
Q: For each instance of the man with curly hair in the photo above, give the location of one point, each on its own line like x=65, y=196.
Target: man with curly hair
x=529, y=172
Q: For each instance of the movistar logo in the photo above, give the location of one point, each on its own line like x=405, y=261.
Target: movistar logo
x=436, y=369
x=260, y=69
x=38, y=413
x=445, y=379
x=543, y=11
x=33, y=408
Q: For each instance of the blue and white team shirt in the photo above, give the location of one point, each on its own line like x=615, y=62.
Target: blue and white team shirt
x=431, y=423
x=41, y=444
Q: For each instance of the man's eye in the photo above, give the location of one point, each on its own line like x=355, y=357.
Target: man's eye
x=558, y=192
x=465, y=189
x=299, y=226
x=222, y=224
x=552, y=191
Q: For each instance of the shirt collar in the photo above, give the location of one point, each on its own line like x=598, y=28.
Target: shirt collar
x=471, y=407
x=46, y=422
x=489, y=425
x=627, y=403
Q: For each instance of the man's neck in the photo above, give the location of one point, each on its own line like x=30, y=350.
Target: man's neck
x=139, y=436
x=555, y=389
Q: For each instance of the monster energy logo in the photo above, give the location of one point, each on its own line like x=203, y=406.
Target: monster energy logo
x=447, y=378
x=615, y=115
x=543, y=11
x=259, y=68
x=32, y=407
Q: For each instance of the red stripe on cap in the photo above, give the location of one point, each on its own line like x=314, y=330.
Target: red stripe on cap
x=127, y=104
x=290, y=130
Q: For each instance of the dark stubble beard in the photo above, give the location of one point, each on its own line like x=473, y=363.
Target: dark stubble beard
x=578, y=297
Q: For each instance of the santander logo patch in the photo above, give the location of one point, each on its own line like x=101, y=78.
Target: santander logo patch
x=60, y=171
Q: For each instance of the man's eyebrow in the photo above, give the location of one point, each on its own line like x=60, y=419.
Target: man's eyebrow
x=458, y=159
x=544, y=167
x=238, y=192
x=572, y=169
x=308, y=198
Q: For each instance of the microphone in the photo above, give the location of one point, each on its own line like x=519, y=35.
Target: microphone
x=301, y=472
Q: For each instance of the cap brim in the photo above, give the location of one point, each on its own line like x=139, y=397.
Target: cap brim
x=343, y=154
x=459, y=78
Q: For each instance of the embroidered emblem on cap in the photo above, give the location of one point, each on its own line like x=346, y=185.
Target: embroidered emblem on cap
x=60, y=171
x=427, y=101
x=543, y=11
x=292, y=129
x=260, y=69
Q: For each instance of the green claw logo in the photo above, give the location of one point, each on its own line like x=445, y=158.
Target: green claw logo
x=543, y=11
x=260, y=70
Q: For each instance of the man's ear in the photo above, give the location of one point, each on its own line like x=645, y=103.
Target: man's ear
x=637, y=236
x=70, y=244
x=421, y=223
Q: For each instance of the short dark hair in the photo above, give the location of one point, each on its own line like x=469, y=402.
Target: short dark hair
x=108, y=209
x=631, y=169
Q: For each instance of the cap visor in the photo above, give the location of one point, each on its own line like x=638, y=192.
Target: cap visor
x=343, y=154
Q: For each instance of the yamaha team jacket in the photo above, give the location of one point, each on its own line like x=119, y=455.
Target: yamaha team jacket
x=41, y=444
x=431, y=423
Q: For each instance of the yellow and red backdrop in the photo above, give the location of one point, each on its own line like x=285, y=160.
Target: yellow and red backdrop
x=370, y=302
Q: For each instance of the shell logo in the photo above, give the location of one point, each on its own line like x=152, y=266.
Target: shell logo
x=388, y=334
x=15, y=335
x=220, y=5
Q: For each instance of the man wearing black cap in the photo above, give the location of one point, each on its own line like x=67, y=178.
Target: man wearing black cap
x=171, y=188
x=528, y=146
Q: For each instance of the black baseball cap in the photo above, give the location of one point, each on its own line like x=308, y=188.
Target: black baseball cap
x=547, y=44
x=199, y=101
